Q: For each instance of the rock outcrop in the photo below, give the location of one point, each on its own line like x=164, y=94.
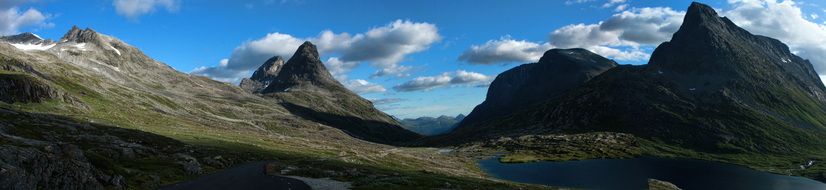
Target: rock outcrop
x=27, y=39
x=24, y=168
x=25, y=88
x=557, y=72
x=304, y=71
x=262, y=77
x=25, y=84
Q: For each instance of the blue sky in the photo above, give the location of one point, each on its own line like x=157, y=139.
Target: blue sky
x=411, y=58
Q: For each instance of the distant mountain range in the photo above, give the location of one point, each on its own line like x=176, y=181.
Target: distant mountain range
x=430, y=125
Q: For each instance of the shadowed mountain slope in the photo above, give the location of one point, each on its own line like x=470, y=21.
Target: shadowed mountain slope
x=557, y=72
x=307, y=89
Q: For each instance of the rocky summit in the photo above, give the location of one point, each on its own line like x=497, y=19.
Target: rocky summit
x=304, y=71
x=27, y=39
x=557, y=72
x=305, y=87
x=715, y=92
x=262, y=77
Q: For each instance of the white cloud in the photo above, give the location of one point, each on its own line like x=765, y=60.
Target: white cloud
x=382, y=47
x=337, y=67
x=447, y=78
x=360, y=86
x=132, y=9
x=504, y=51
x=385, y=46
x=646, y=26
x=581, y=35
x=424, y=83
x=483, y=85
x=464, y=77
x=621, y=7
x=342, y=78
x=391, y=70
x=383, y=101
x=220, y=74
x=224, y=62
x=12, y=19
x=619, y=37
x=783, y=21
x=635, y=54
x=576, y=1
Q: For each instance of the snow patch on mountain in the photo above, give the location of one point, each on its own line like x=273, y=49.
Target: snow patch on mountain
x=32, y=46
x=116, y=49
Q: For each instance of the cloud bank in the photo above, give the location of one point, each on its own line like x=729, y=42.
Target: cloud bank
x=504, y=51
x=132, y=9
x=630, y=34
x=360, y=86
x=447, y=78
x=619, y=37
x=12, y=18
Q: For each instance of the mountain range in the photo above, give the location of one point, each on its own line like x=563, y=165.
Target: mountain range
x=713, y=92
x=115, y=118
x=89, y=111
x=430, y=125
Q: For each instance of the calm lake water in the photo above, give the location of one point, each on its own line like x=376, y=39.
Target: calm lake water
x=634, y=173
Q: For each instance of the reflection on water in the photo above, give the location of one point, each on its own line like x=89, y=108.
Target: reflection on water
x=633, y=174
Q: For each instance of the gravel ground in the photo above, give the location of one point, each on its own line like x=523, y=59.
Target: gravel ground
x=323, y=184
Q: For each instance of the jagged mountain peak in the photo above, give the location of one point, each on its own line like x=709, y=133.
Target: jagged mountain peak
x=268, y=70
x=262, y=77
x=304, y=71
x=79, y=36
x=705, y=44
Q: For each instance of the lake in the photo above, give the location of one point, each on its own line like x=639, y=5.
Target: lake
x=634, y=173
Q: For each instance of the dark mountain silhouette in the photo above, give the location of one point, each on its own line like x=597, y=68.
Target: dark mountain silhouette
x=714, y=89
x=557, y=72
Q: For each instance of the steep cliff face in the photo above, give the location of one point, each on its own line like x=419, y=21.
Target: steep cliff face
x=557, y=72
x=262, y=77
x=21, y=83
